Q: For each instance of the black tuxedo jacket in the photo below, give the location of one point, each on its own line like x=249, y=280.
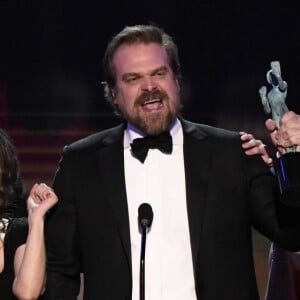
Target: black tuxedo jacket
x=227, y=194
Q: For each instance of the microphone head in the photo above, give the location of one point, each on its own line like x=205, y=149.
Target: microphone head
x=145, y=215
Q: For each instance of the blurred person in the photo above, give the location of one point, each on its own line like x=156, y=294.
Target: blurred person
x=284, y=266
x=284, y=274
x=22, y=248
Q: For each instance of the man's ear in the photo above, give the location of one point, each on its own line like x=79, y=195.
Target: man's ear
x=177, y=84
x=113, y=95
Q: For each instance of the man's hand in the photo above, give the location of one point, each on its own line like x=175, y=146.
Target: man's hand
x=288, y=135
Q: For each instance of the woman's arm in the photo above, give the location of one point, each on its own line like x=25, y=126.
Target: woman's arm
x=30, y=259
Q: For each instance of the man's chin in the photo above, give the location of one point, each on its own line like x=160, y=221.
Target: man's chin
x=156, y=124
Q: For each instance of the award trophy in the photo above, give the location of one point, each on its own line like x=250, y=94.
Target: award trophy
x=287, y=166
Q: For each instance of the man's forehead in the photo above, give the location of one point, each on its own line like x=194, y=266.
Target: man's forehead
x=140, y=55
x=138, y=48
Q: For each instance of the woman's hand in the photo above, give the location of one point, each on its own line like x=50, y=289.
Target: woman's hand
x=253, y=146
x=41, y=199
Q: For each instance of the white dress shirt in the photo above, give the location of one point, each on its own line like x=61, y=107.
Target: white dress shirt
x=160, y=181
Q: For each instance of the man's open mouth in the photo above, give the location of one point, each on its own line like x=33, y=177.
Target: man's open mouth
x=152, y=103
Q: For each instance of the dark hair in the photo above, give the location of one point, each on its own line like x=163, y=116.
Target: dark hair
x=137, y=34
x=9, y=172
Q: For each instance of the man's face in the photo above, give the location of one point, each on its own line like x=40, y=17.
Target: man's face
x=146, y=90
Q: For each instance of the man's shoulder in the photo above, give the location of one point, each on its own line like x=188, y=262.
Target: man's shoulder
x=96, y=140
x=207, y=131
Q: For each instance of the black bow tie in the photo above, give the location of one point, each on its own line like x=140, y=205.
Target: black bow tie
x=140, y=146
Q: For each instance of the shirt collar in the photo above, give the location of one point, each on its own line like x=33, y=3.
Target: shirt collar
x=132, y=133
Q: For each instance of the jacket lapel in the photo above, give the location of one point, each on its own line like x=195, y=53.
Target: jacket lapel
x=197, y=159
x=111, y=162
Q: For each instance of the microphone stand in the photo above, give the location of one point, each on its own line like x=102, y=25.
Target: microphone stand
x=142, y=262
x=145, y=218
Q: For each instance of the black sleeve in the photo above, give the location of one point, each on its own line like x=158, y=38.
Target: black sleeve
x=63, y=262
x=16, y=234
x=18, y=206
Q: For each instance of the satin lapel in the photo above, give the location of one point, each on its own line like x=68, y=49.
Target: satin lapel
x=111, y=162
x=197, y=158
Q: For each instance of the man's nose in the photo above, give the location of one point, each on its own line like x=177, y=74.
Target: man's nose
x=148, y=84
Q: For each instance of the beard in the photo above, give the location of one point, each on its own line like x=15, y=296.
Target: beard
x=155, y=122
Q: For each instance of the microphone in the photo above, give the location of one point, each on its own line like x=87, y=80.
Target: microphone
x=145, y=218
x=145, y=215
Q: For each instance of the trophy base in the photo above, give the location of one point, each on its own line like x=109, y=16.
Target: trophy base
x=287, y=169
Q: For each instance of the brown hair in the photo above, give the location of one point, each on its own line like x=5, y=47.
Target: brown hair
x=137, y=34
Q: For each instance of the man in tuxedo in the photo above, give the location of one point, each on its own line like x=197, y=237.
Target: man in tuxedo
x=206, y=194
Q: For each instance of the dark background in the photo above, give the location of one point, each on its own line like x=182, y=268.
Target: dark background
x=51, y=70
x=51, y=54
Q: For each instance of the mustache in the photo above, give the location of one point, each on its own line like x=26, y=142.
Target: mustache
x=147, y=96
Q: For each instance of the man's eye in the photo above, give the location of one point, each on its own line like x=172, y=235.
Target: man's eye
x=131, y=79
x=160, y=73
